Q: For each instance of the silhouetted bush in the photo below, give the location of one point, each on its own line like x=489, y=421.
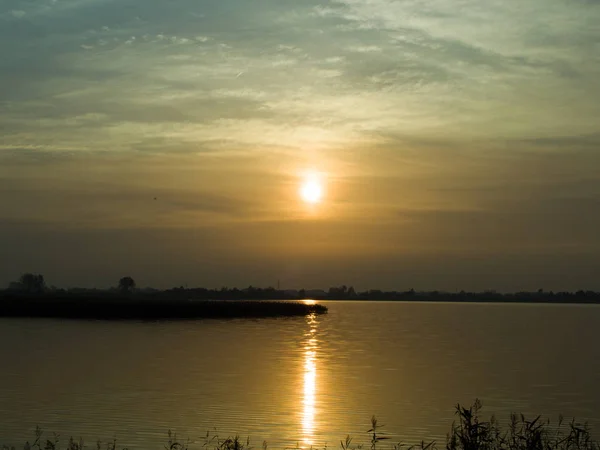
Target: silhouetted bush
x=126, y=285
x=29, y=282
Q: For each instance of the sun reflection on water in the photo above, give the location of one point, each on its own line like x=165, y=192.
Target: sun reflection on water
x=310, y=382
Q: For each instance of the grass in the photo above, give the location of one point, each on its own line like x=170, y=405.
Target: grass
x=147, y=308
x=468, y=432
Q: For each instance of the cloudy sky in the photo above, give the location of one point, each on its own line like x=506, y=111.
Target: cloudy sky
x=458, y=142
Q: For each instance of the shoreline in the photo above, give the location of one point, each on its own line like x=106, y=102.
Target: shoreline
x=118, y=307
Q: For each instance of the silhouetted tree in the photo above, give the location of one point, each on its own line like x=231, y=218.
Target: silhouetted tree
x=32, y=282
x=126, y=284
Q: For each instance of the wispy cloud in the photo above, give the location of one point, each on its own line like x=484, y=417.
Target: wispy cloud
x=418, y=68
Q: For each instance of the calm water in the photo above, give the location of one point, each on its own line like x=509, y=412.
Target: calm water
x=302, y=380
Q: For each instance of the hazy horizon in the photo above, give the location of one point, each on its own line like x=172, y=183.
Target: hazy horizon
x=456, y=143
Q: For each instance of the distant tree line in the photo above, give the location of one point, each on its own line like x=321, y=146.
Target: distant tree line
x=349, y=293
x=34, y=284
x=539, y=296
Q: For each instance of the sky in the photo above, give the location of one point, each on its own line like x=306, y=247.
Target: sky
x=457, y=143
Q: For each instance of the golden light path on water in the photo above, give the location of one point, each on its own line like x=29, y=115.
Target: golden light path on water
x=310, y=382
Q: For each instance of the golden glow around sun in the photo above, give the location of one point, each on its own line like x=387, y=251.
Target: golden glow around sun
x=311, y=190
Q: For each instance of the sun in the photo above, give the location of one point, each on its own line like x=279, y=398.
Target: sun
x=311, y=190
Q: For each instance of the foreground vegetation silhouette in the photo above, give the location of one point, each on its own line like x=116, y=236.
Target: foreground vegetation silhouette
x=468, y=432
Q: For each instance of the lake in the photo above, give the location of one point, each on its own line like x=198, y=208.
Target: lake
x=298, y=381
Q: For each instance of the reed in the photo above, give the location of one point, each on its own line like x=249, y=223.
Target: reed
x=468, y=432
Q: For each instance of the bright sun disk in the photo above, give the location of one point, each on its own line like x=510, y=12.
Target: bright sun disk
x=311, y=191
